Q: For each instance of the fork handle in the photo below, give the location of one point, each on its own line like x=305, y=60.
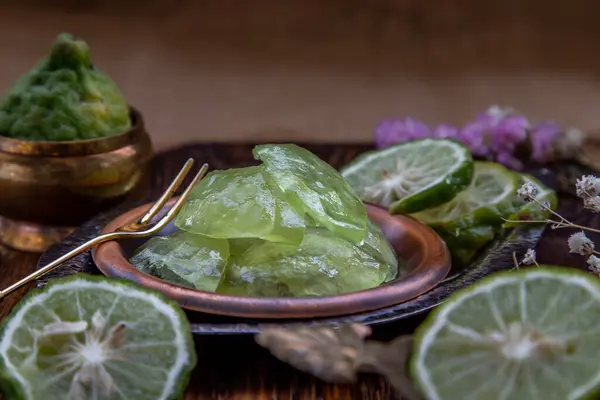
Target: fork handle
x=52, y=266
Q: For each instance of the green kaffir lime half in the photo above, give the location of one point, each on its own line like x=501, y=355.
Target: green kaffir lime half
x=87, y=337
x=519, y=335
x=411, y=176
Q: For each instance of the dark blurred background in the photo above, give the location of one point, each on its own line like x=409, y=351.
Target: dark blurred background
x=324, y=70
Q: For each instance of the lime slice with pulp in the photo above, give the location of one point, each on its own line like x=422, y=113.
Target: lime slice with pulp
x=528, y=334
x=87, y=337
x=491, y=196
x=411, y=176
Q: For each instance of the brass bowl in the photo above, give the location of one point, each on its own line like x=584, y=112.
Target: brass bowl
x=46, y=188
x=419, y=246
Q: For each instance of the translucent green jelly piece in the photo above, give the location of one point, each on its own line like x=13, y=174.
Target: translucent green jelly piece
x=323, y=265
x=241, y=203
x=377, y=246
x=185, y=259
x=313, y=185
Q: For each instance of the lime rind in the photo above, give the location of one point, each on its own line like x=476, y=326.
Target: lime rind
x=15, y=385
x=469, y=242
x=426, y=333
x=490, y=197
x=437, y=168
x=533, y=211
x=472, y=238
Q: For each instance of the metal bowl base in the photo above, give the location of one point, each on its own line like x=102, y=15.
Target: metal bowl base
x=30, y=237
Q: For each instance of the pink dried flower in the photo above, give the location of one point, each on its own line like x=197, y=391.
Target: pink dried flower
x=473, y=135
x=393, y=131
x=543, y=136
x=445, y=131
x=508, y=159
x=496, y=134
x=508, y=133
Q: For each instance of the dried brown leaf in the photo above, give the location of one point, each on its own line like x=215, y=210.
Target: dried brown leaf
x=327, y=353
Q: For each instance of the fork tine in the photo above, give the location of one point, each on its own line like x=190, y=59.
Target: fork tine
x=164, y=221
x=184, y=196
x=164, y=198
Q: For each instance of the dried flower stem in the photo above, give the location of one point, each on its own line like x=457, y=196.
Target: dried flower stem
x=563, y=223
x=588, y=189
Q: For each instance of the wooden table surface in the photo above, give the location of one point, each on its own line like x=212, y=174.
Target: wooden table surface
x=235, y=367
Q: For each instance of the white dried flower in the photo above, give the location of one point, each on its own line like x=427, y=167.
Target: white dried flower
x=569, y=143
x=579, y=243
x=497, y=113
x=587, y=186
x=594, y=264
x=527, y=192
x=592, y=204
x=529, y=258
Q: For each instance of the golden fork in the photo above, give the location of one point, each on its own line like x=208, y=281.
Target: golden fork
x=141, y=228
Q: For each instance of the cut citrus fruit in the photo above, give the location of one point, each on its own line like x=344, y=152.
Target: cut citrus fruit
x=411, y=176
x=528, y=334
x=86, y=337
x=533, y=210
x=465, y=246
x=490, y=197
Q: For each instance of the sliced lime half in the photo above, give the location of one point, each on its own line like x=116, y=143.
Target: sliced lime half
x=411, y=176
x=490, y=197
x=529, y=334
x=88, y=337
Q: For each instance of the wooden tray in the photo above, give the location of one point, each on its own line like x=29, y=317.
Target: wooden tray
x=496, y=256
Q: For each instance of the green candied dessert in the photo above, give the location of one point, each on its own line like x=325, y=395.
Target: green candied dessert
x=378, y=247
x=317, y=188
x=323, y=265
x=241, y=203
x=184, y=259
x=64, y=98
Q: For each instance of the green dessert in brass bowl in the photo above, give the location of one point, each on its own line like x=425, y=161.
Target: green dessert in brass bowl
x=63, y=98
x=68, y=142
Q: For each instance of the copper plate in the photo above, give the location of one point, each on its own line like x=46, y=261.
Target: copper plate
x=422, y=249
